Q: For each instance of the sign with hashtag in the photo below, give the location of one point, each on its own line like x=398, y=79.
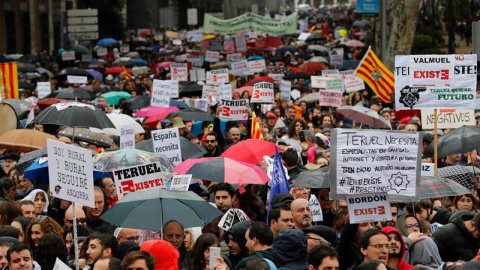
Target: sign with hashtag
x=373, y=161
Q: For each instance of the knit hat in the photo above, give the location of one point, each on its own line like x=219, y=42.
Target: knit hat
x=166, y=255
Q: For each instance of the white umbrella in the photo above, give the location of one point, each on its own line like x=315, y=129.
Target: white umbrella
x=310, y=98
x=318, y=59
x=118, y=121
x=365, y=116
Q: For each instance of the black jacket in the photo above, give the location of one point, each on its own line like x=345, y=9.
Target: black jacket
x=289, y=250
x=454, y=241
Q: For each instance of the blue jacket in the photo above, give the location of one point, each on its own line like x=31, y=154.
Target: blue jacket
x=289, y=250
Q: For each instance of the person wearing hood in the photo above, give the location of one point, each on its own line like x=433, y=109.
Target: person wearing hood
x=235, y=239
x=40, y=201
x=396, y=250
x=166, y=255
x=289, y=250
x=458, y=240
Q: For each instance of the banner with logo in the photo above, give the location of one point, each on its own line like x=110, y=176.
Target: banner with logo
x=250, y=21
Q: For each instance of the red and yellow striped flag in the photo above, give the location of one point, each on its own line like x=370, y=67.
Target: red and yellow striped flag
x=8, y=80
x=256, y=130
x=376, y=75
x=127, y=75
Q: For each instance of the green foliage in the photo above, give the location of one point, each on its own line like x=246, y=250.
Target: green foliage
x=422, y=44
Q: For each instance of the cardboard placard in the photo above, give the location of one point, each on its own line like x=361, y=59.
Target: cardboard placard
x=161, y=93
x=212, y=56
x=448, y=118
x=369, y=208
x=201, y=104
x=211, y=93
x=263, y=93
x=194, y=36
x=286, y=89
x=43, y=89
x=68, y=55
x=315, y=208
x=330, y=98
x=218, y=76
x=233, y=110
x=181, y=182
x=77, y=79
x=428, y=169
x=102, y=51
x=240, y=67
x=257, y=65
x=167, y=142
x=179, y=72
x=138, y=178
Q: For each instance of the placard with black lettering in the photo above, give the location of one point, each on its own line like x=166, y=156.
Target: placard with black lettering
x=167, y=142
x=369, y=208
x=138, y=178
x=234, y=110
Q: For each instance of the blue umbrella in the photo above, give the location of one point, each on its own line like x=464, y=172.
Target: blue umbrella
x=106, y=41
x=180, y=104
x=156, y=47
x=96, y=75
x=139, y=61
x=255, y=57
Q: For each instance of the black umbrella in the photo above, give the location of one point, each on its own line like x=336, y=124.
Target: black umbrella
x=20, y=106
x=123, y=62
x=74, y=114
x=189, y=149
x=26, y=67
x=319, y=178
x=297, y=76
x=73, y=93
x=460, y=140
x=283, y=50
x=23, y=85
x=86, y=135
x=461, y=174
x=137, y=102
x=191, y=89
x=80, y=49
x=29, y=58
x=191, y=114
x=74, y=71
x=315, y=37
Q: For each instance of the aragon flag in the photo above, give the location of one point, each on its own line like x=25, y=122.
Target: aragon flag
x=8, y=80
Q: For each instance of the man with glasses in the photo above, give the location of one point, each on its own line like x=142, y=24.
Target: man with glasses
x=211, y=145
x=126, y=234
x=320, y=235
x=79, y=214
x=323, y=258
x=323, y=196
x=396, y=250
x=374, y=245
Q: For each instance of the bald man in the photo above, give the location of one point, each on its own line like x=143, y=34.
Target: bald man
x=302, y=216
x=79, y=213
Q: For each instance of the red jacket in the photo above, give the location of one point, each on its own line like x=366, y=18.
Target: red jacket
x=402, y=264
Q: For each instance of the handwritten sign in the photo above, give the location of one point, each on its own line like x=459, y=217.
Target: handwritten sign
x=167, y=142
x=226, y=91
x=137, y=178
x=43, y=89
x=286, y=89
x=330, y=98
x=70, y=173
x=127, y=136
x=218, y=76
x=174, y=89
x=351, y=82
x=318, y=82
x=234, y=57
x=201, y=104
x=228, y=46
x=179, y=72
x=375, y=161
x=315, y=208
x=256, y=65
x=240, y=67
x=334, y=85
x=181, y=182
x=369, y=208
x=449, y=118
x=77, y=79
x=428, y=169
x=263, y=92
x=240, y=42
x=212, y=56
x=211, y=93
x=160, y=93
x=234, y=110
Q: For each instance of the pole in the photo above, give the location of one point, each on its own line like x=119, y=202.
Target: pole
x=75, y=234
x=383, y=16
x=451, y=35
x=435, y=137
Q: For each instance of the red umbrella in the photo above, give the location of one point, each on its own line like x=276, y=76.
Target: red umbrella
x=250, y=151
x=117, y=70
x=44, y=103
x=312, y=67
x=165, y=65
x=153, y=120
x=260, y=79
x=183, y=167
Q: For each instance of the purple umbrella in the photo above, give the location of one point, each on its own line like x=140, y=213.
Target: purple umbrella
x=96, y=75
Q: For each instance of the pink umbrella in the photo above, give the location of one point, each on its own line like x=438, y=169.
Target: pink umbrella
x=245, y=88
x=183, y=167
x=164, y=65
x=150, y=111
x=354, y=43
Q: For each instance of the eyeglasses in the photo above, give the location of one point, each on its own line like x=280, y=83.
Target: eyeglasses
x=409, y=226
x=210, y=141
x=314, y=238
x=324, y=198
x=380, y=246
x=79, y=220
x=131, y=238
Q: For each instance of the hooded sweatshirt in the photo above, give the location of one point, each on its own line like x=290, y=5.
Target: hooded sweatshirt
x=402, y=265
x=166, y=255
x=289, y=250
x=425, y=253
x=238, y=232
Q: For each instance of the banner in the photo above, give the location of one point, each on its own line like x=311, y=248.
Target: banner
x=218, y=76
x=233, y=110
x=212, y=56
x=435, y=81
x=448, y=118
x=286, y=88
x=127, y=136
x=181, y=182
x=263, y=93
x=240, y=67
x=70, y=173
x=330, y=98
x=256, y=65
x=374, y=161
x=160, y=93
x=167, y=142
x=179, y=72
x=250, y=21
x=137, y=178
x=369, y=208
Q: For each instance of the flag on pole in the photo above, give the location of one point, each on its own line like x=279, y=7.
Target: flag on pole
x=8, y=80
x=279, y=183
x=376, y=75
x=256, y=130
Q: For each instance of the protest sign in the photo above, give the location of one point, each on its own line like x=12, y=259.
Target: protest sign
x=262, y=92
x=334, y=85
x=77, y=79
x=226, y=91
x=277, y=77
x=240, y=42
x=369, y=208
x=331, y=73
x=233, y=110
x=351, y=82
x=181, y=182
x=373, y=161
x=218, y=76
x=43, y=89
x=68, y=55
x=201, y=104
x=228, y=46
x=240, y=67
x=270, y=163
x=212, y=56
x=216, y=45
x=330, y=98
x=303, y=36
x=250, y=21
x=160, y=93
x=286, y=89
x=193, y=58
x=86, y=57
x=194, y=36
x=171, y=34
x=315, y=208
x=167, y=142
x=193, y=75
x=137, y=178
x=177, y=42
x=336, y=56
x=232, y=217
x=204, y=46
x=60, y=265
x=428, y=169
x=125, y=48
x=70, y=173
x=127, y=136
x=251, y=34
x=256, y=65
x=179, y=72
x=197, y=74
x=449, y=118
x=434, y=227
x=211, y=93
x=435, y=81
x=234, y=57
x=158, y=37
x=318, y=82
x=173, y=89
x=102, y=51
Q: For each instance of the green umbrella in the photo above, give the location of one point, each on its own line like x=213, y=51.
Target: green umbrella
x=152, y=208
x=114, y=97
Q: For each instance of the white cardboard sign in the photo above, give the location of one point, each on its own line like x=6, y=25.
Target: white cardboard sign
x=369, y=208
x=257, y=65
x=201, y=104
x=212, y=56
x=181, y=182
x=448, y=118
x=68, y=55
x=428, y=169
x=240, y=67
x=263, y=93
x=76, y=79
x=179, y=72
x=286, y=89
x=234, y=110
x=218, y=76
x=161, y=93
x=43, y=89
x=315, y=208
x=127, y=136
x=167, y=142
x=137, y=178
